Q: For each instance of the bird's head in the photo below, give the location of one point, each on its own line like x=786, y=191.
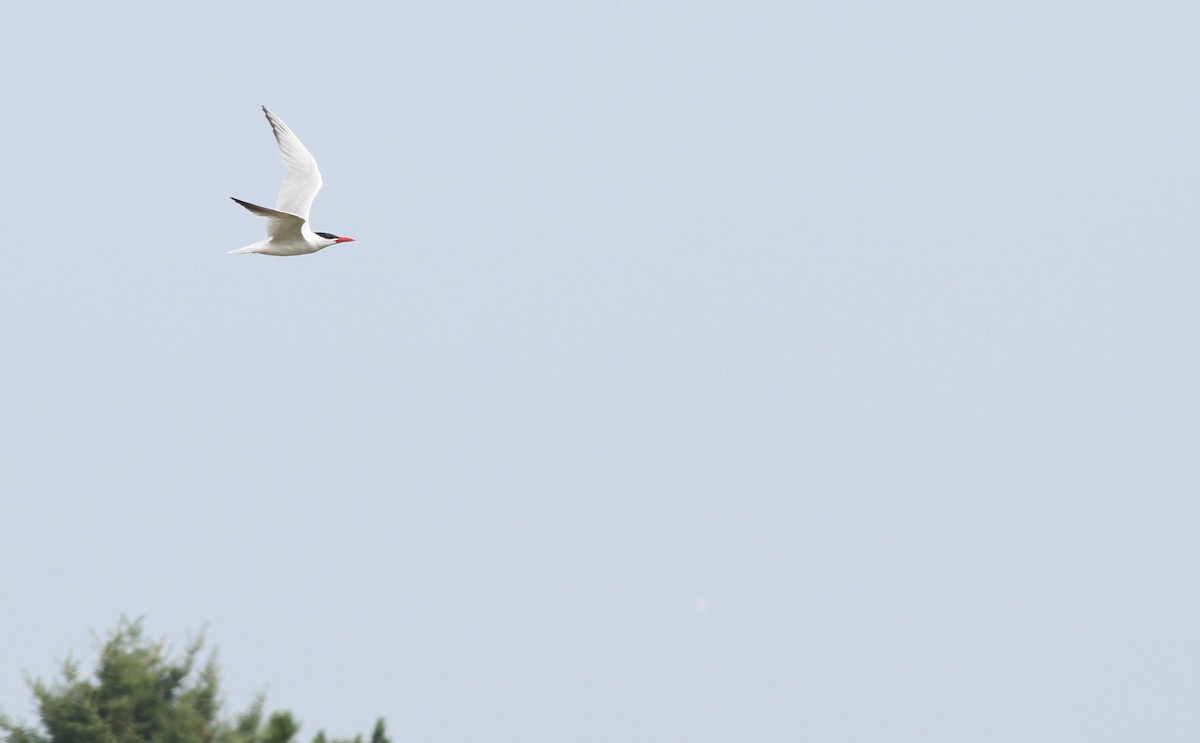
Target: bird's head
x=333, y=239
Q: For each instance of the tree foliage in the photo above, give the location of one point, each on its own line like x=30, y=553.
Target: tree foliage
x=140, y=694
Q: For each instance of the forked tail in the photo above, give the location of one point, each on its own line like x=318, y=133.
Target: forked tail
x=255, y=248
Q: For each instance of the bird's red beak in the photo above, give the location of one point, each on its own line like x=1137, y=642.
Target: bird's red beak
x=344, y=240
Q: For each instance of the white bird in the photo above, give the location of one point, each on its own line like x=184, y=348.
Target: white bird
x=287, y=224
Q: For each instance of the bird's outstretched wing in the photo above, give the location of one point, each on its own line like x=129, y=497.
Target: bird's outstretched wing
x=280, y=225
x=303, y=179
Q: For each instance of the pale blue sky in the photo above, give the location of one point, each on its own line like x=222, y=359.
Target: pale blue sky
x=701, y=371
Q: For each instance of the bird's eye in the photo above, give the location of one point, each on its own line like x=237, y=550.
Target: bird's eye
x=327, y=236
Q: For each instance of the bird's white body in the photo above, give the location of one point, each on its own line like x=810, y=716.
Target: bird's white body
x=288, y=232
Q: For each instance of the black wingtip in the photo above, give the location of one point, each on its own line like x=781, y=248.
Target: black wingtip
x=275, y=123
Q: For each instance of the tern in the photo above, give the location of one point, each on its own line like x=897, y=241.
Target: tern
x=287, y=224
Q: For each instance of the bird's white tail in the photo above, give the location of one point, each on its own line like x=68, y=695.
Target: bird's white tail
x=255, y=248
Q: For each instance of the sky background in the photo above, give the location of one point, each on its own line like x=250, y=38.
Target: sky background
x=701, y=371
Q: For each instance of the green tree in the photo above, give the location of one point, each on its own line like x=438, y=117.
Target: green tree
x=379, y=735
x=139, y=694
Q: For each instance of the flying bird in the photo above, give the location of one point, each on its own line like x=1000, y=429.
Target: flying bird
x=287, y=224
